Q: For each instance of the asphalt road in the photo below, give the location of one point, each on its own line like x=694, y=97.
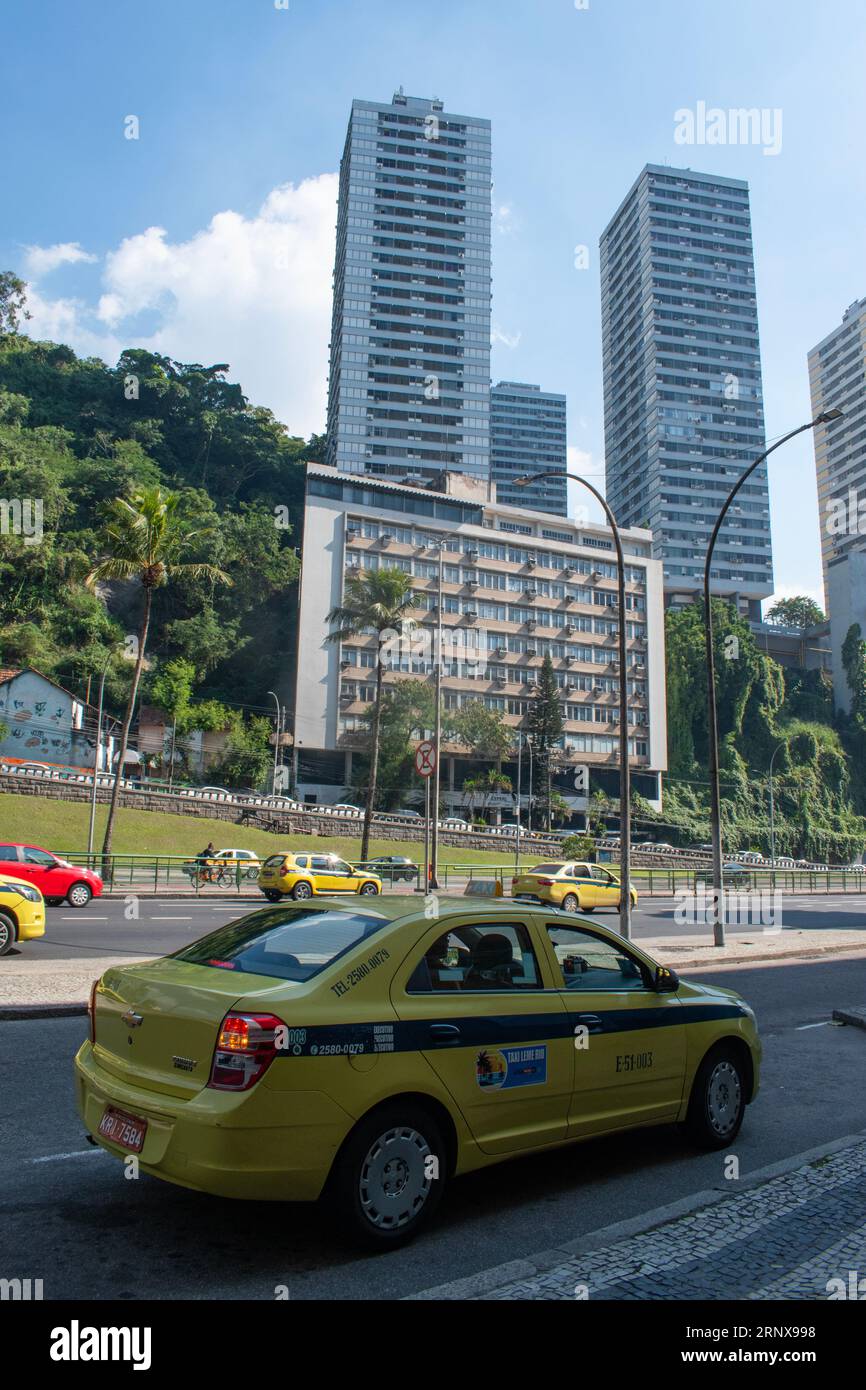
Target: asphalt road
x=165, y=924
x=68, y=1215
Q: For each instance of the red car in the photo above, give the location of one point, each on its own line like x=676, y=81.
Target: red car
x=55, y=878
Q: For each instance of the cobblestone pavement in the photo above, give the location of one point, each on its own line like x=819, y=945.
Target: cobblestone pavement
x=784, y=1239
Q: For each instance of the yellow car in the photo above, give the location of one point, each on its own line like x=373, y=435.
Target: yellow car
x=307, y=875
x=22, y=912
x=573, y=887
x=367, y=1054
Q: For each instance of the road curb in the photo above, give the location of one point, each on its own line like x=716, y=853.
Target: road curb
x=856, y=1018
x=16, y=1012
x=801, y=953
x=489, y=1280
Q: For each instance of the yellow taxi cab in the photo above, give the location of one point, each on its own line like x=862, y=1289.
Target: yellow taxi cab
x=22, y=912
x=307, y=875
x=366, y=1054
x=573, y=887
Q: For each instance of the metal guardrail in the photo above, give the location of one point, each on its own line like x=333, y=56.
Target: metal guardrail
x=155, y=873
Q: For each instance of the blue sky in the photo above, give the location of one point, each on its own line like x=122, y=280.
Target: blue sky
x=243, y=109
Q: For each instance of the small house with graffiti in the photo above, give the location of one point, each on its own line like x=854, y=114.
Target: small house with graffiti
x=41, y=722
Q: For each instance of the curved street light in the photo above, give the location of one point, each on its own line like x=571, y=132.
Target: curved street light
x=624, y=774
x=713, y=729
x=772, y=825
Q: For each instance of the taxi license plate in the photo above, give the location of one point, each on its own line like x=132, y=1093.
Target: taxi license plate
x=125, y=1130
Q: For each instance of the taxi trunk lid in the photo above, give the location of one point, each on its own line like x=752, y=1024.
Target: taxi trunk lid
x=156, y=1024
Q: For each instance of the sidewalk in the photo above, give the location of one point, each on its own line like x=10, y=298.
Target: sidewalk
x=786, y=1232
x=31, y=987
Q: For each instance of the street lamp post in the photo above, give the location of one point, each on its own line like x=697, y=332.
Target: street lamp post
x=276, y=743
x=624, y=773
x=433, y=880
x=713, y=728
x=96, y=761
x=772, y=809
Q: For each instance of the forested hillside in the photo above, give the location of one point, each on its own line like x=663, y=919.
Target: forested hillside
x=76, y=434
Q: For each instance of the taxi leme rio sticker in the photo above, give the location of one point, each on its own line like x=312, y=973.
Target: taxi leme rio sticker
x=500, y=1068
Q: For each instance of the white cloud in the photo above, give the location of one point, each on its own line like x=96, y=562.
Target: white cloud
x=503, y=218
x=40, y=260
x=499, y=335
x=252, y=291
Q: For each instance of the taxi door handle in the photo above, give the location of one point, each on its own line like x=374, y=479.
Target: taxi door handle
x=444, y=1034
x=591, y=1022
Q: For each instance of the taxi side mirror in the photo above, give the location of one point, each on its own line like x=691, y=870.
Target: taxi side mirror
x=665, y=980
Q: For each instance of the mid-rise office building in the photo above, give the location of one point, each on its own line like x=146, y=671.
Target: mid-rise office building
x=527, y=435
x=409, y=392
x=515, y=585
x=682, y=380
x=837, y=379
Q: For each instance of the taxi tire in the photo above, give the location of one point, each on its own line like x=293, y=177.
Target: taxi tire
x=342, y=1192
x=368, y=890
x=301, y=891
x=272, y=895
x=7, y=933
x=79, y=895
x=698, y=1125
x=571, y=903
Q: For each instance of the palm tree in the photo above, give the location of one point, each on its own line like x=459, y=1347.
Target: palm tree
x=374, y=601
x=145, y=538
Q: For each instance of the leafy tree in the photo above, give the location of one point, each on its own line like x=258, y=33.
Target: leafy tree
x=483, y=731
x=13, y=302
x=799, y=611
x=145, y=539
x=544, y=724
x=578, y=847
x=408, y=713
x=378, y=601
x=171, y=689
x=247, y=756
x=854, y=663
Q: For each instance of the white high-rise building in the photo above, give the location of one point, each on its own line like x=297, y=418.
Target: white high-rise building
x=409, y=388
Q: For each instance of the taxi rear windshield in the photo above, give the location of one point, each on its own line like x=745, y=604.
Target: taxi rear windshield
x=286, y=943
x=546, y=869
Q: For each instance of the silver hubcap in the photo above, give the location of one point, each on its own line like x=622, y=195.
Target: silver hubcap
x=78, y=896
x=393, y=1186
x=570, y=904
x=302, y=891
x=723, y=1097
x=5, y=935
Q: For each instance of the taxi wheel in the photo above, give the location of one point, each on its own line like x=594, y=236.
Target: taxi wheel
x=718, y=1099
x=272, y=895
x=7, y=934
x=570, y=903
x=383, y=1189
x=368, y=889
x=79, y=895
x=302, y=890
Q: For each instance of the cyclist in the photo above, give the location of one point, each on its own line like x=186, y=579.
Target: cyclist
x=201, y=860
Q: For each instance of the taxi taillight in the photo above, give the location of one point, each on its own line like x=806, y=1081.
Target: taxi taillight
x=245, y=1048
x=544, y=882
x=91, y=1010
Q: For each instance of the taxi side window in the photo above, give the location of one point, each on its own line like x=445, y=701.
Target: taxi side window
x=477, y=958
x=321, y=864
x=592, y=963
x=339, y=866
x=600, y=875
x=579, y=871
x=301, y=861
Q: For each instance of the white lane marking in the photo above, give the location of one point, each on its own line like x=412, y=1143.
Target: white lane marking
x=82, y=917
x=171, y=919
x=57, y=1158
x=801, y=1027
